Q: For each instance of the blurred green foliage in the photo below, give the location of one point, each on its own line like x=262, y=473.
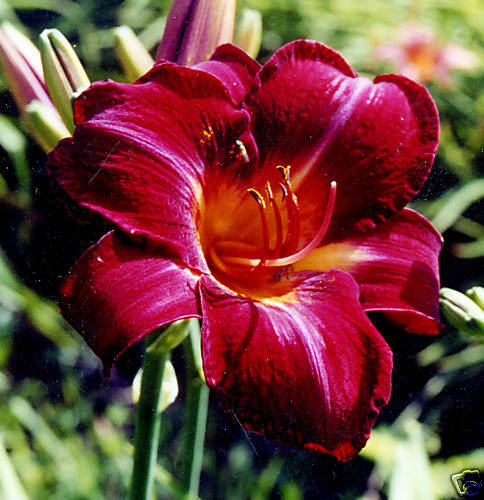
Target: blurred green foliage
x=68, y=436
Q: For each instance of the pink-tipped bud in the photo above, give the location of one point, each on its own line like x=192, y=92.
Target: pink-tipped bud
x=195, y=28
x=22, y=67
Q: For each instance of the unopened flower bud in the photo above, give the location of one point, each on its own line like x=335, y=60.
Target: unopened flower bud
x=169, y=387
x=21, y=65
x=64, y=73
x=195, y=28
x=174, y=335
x=46, y=125
x=476, y=294
x=248, y=35
x=461, y=311
x=132, y=55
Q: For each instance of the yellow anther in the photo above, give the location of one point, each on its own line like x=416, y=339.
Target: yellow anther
x=242, y=152
x=285, y=172
x=257, y=197
x=269, y=190
x=207, y=135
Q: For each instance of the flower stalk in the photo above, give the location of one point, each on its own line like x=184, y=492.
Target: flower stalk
x=152, y=402
x=196, y=408
x=148, y=421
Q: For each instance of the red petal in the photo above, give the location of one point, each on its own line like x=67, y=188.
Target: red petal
x=376, y=140
x=400, y=275
x=117, y=293
x=307, y=369
x=397, y=267
x=139, y=153
x=234, y=68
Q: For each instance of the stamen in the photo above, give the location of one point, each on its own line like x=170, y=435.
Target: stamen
x=265, y=229
x=207, y=135
x=278, y=219
x=228, y=270
x=290, y=259
x=292, y=208
x=257, y=197
x=285, y=172
x=284, y=191
x=318, y=237
x=242, y=152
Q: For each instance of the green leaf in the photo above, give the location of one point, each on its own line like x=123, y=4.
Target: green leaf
x=10, y=485
x=456, y=202
x=14, y=143
x=43, y=315
x=411, y=477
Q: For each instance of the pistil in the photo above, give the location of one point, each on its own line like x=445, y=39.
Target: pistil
x=222, y=266
x=318, y=237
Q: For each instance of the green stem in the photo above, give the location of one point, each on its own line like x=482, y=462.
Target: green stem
x=148, y=420
x=195, y=419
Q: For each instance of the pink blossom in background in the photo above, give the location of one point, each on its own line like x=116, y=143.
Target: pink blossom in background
x=420, y=55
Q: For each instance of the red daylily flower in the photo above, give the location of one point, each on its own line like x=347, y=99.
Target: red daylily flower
x=269, y=202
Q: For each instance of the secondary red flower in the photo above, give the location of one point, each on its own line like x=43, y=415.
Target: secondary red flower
x=270, y=203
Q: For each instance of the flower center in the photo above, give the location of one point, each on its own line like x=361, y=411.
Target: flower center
x=246, y=260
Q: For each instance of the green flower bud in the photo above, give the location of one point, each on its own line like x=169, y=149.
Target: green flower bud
x=169, y=388
x=21, y=65
x=248, y=35
x=132, y=55
x=45, y=124
x=476, y=293
x=461, y=311
x=170, y=338
x=64, y=73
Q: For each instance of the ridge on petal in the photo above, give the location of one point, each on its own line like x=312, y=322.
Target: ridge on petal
x=117, y=293
x=235, y=68
x=376, y=140
x=307, y=369
x=140, y=153
x=300, y=50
